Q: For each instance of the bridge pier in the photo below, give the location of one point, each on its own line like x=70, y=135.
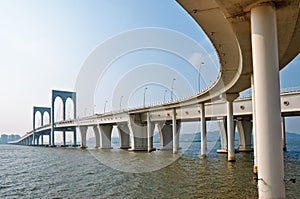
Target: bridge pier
x=166, y=136
x=97, y=136
x=83, y=130
x=150, y=132
x=105, y=136
x=230, y=126
x=203, y=131
x=64, y=138
x=138, y=134
x=244, y=127
x=175, y=132
x=223, y=135
x=124, y=136
x=267, y=101
x=283, y=133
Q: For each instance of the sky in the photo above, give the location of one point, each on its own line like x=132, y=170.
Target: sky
x=45, y=44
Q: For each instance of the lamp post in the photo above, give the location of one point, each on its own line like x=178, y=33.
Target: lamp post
x=104, y=106
x=121, y=98
x=165, y=95
x=172, y=88
x=199, y=70
x=145, y=95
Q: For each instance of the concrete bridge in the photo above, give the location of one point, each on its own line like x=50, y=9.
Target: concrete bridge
x=136, y=126
x=253, y=40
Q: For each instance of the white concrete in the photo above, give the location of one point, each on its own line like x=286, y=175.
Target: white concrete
x=175, y=133
x=97, y=136
x=230, y=132
x=267, y=102
x=83, y=130
x=203, y=130
x=105, y=136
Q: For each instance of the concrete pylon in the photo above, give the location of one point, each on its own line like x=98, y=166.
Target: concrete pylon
x=223, y=135
x=138, y=134
x=97, y=136
x=267, y=101
x=230, y=125
x=124, y=136
x=83, y=130
x=150, y=132
x=166, y=136
x=244, y=127
x=203, y=131
x=105, y=136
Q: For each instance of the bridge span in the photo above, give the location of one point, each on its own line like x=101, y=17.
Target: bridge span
x=136, y=126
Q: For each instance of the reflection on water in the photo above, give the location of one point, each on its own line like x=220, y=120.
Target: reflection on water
x=37, y=172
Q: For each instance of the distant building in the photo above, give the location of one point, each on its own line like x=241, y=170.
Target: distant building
x=8, y=138
x=4, y=139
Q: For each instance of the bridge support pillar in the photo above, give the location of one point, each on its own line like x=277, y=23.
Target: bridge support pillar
x=267, y=101
x=124, y=136
x=283, y=133
x=37, y=140
x=230, y=125
x=223, y=135
x=42, y=139
x=83, y=130
x=244, y=131
x=150, y=132
x=175, y=132
x=97, y=136
x=74, y=137
x=138, y=134
x=203, y=131
x=64, y=138
x=105, y=135
x=166, y=136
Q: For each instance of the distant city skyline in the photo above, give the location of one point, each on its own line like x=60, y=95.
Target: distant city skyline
x=45, y=43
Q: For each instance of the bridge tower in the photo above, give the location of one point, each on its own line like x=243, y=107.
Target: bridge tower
x=63, y=95
x=42, y=110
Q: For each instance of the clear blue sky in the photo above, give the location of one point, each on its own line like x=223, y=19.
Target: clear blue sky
x=44, y=43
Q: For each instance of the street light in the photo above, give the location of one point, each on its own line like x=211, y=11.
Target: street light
x=199, y=69
x=104, y=106
x=172, y=88
x=165, y=95
x=145, y=95
x=121, y=102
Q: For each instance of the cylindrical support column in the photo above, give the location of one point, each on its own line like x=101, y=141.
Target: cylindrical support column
x=74, y=137
x=254, y=127
x=203, y=130
x=267, y=101
x=174, y=130
x=230, y=131
x=83, y=130
x=283, y=133
x=149, y=133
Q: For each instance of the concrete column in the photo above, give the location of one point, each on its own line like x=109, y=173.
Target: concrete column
x=64, y=138
x=83, y=130
x=244, y=127
x=37, y=140
x=267, y=101
x=254, y=127
x=230, y=125
x=124, y=136
x=150, y=132
x=97, y=136
x=33, y=139
x=230, y=132
x=74, y=137
x=175, y=133
x=203, y=131
x=138, y=134
x=166, y=136
x=283, y=133
x=42, y=139
x=223, y=135
x=105, y=136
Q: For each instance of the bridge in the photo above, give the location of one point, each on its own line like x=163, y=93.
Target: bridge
x=254, y=39
x=102, y=124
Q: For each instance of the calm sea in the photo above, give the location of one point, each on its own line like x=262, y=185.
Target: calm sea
x=40, y=172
